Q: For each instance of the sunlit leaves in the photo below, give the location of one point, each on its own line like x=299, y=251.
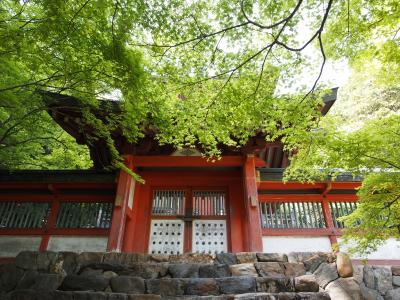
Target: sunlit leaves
x=364, y=32
x=372, y=151
x=193, y=73
x=377, y=217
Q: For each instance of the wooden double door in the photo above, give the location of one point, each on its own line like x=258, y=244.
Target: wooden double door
x=188, y=220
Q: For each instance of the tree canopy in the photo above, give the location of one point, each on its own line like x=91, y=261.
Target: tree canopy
x=361, y=135
x=203, y=72
x=371, y=152
x=206, y=73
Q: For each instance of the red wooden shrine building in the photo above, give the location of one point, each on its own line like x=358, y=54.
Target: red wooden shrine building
x=187, y=204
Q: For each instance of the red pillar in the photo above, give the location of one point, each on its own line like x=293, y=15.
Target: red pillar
x=254, y=232
x=51, y=223
x=125, y=182
x=329, y=221
x=132, y=220
x=327, y=214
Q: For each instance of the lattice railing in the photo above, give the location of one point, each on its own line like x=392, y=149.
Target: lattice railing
x=23, y=214
x=168, y=203
x=36, y=215
x=292, y=215
x=278, y=214
x=84, y=215
x=209, y=203
x=340, y=209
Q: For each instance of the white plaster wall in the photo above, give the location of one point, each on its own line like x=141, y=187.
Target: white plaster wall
x=10, y=245
x=389, y=250
x=77, y=243
x=286, y=244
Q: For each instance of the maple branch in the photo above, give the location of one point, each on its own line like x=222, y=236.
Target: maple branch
x=284, y=20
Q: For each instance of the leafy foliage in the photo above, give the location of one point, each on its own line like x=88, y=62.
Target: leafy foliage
x=373, y=152
x=200, y=73
x=45, y=46
x=162, y=60
x=367, y=33
x=204, y=74
x=377, y=216
x=29, y=138
x=362, y=100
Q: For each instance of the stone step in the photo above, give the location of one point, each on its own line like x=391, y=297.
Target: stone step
x=284, y=296
x=164, y=286
x=228, y=285
x=89, y=295
x=181, y=286
x=183, y=266
x=150, y=270
x=310, y=259
x=259, y=296
x=74, y=295
x=189, y=276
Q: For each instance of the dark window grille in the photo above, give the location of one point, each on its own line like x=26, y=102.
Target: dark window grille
x=208, y=203
x=292, y=215
x=168, y=203
x=84, y=215
x=340, y=209
x=23, y=214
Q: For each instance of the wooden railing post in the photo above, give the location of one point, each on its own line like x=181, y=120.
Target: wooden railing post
x=50, y=224
x=328, y=219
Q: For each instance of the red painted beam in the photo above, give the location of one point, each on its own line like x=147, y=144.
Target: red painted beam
x=79, y=185
x=299, y=232
x=79, y=231
x=22, y=231
x=306, y=198
x=290, y=198
x=335, y=185
x=188, y=161
x=199, y=177
x=55, y=231
x=22, y=185
x=279, y=185
x=254, y=234
x=342, y=198
x=62, y=198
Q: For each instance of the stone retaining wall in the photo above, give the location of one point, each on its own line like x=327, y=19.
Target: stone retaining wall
x=93, y=275
x=378, y=282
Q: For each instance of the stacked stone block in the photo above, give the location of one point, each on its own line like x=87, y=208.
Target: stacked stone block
x=379, y=282
x=124, y=276
x=89, y=275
